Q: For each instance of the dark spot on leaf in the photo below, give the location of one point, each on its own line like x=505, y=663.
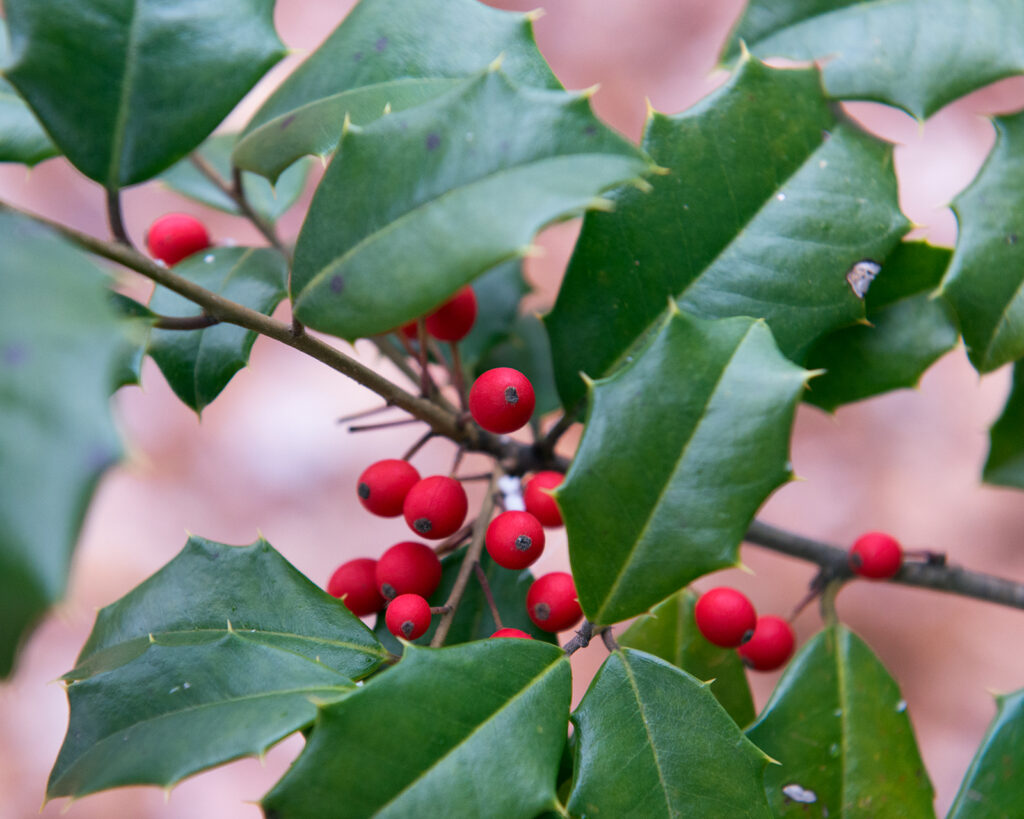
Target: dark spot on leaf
x=381, y=44
x=363, y=490
x=387, y=590
x=15, y=354
x=590, y=130
x=422, y=525
x=523, y=542
x=542, y=611
x=337, y=283
x=1011, y=239
x=433, y=140
x=288, y=120
x=511, y=396
x=357, y=56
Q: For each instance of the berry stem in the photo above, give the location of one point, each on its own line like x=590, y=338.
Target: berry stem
x=453, y=543
x=116, y=219
x=481, y=575
x=184, y=322
x=401, y=422
x=420, y=443
x=366, y=413
x=458, y=380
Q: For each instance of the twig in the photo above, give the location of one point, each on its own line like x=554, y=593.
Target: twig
x=609, y=639
x=486, y=586
x=366, y=413
x=584, y=634
x=453, y=543
x=416, y=447
x=458, y=379
x=551, y=438
x=116, y=219
x=183, y=322
x=401, y=422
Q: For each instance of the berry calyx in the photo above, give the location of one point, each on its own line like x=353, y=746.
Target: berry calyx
x=539, y=502
x=436, y=507
x=408, y=616
x=408, y=568
x=176, y=236
x=501, y=400
x=383, y=486
x=511, y=632
x=771, y=645
x=514, y=539
x=725, y=617
x=876, y=555
x=356, y=584
x=453, y=320
x=551, y=602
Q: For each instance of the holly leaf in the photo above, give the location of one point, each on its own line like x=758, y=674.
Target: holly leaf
x=477, y=728
x=385, y=55
x=270, y=201
x=127, y=87
x=839, y=727
x=60, y=339
x=915, y=54
x=985, y=280
x=680, y=448
x=187, y=702
x=22, y=138
x=1005, y=463
x=470, y=178
x=991, y=787
x=138, y=321
x=473, y=619
x=770, y=200
x=653, y=741
x=670, y=632
x=198, y=364
x=498, y=293
x=907, y=330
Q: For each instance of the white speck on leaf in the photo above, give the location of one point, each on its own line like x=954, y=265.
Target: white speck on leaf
x=860, y=276
x=799, y=794
x=901, y=706
x=781, y=197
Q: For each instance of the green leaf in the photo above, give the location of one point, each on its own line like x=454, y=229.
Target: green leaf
x=473, y=620
x=22, y=138
x=681, y=446
x=138, y=320
x=396, y=53
x=60, y=339
x=198, y=364
x=498, y=293
x=527, y=349
x=471, y=730
x=653, y=741
x=128, y=87
x=909, y=328
x=915, y=54
x=991, y=788
x=419, y=203
x=670, y=632
x=269, y=201
x=1005, y=463
x=212, y=589
x=985, y=280
x=839, y=728
x=769, y=202
x=186, y=703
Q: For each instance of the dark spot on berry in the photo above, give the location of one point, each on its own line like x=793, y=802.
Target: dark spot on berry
x=747, y=635
x=511, y=396
x=523, y=542
x=433, y=141
x=388, y=591
x=542, y=611
x=422, y=525
x=363, y=490
x=408, y=627
x=288, y=120
x=15, y=354
x=337, y=283
x=381, y=44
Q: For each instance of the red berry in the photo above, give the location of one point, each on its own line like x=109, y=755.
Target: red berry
x=175, y=236
x=411, y=330
x=453, y=320
x=551, y=602
x=436, y=507
x=383, y=486
x=514, y=539
x=725, y=617
x=354, y=582
x=501, y=400
x=539, y=502
x=511, y=632
x=771, y=645
x=408, y=616
x=408, y=568
x=876, y=555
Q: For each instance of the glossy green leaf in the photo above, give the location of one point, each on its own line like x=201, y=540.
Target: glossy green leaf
x=908, y=329
x=670, y=632
x=473, y=620
x=839, y=727
x=915, y=54
x=198, y=364
x=269, y=201
x=991, y=788
x=60, y=340
x=653, y=742
x=128, y=87
x=498, y=293
x=681, y=446
x=769, y=202
x=22, y=138
x=471, y=730
x=985, y=280
x=138, y=320
x=421, y=202
x=1005, y=463
x=394, y=53
x=185, y=703
x=527, y=349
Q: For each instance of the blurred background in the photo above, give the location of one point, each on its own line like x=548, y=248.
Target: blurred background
x=268, y=456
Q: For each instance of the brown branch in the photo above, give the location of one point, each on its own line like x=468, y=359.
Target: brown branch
x=184, y=322
x=584, y=634
x=486, y=586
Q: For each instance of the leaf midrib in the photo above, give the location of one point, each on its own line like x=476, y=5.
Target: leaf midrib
x=647, y=730
x=121, y=121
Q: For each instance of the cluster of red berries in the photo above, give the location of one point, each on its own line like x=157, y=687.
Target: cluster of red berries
x=176, y=236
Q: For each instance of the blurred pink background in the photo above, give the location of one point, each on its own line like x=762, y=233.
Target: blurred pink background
x=268, y=456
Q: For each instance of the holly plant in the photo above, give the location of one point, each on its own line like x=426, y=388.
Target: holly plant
x=748, y=255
